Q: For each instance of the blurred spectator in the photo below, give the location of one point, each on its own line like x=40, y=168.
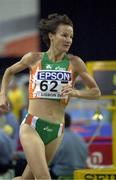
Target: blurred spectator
x=10, y=126
x=16, y=99
x=71, y=155
x=6, y=152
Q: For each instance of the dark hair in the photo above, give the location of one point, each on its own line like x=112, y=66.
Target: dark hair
x=67, y=120
x=51, y=23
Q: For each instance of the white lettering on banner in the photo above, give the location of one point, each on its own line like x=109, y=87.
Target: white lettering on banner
x=95, y=159
x=49, y=75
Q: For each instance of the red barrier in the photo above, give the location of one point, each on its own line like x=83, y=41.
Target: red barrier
x=100, y=152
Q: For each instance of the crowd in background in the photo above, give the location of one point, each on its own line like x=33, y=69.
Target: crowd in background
x=11, y=153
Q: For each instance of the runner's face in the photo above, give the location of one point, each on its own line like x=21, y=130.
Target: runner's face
x=62, y=39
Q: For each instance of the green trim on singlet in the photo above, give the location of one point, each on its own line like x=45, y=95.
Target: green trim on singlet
x=46, y=62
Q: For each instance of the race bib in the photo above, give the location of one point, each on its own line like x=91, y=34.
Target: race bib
x=49, y=83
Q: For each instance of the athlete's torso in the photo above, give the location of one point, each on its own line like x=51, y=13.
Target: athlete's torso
x=46, y=81
x=48, y=78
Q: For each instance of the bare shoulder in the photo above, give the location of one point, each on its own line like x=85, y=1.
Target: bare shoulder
x=77, y=63
x=31, y=58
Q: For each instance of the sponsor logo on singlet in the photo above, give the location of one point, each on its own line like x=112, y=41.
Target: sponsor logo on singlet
x=50, y=82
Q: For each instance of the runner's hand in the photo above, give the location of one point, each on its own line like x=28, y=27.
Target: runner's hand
x=70, y=91
x=4, y=107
